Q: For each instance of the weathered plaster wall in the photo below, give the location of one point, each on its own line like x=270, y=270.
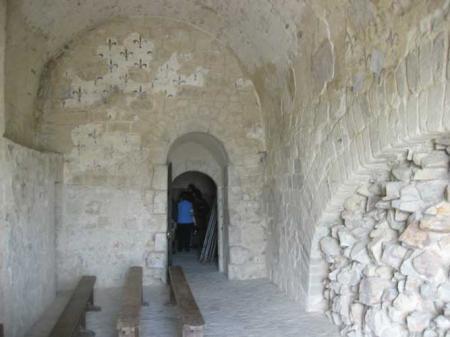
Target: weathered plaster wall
x=2, y=63
x=113, y=105
x=343, y=84
x=367, y=80
x=2, y=125
x=28, y=228
x=258, y=32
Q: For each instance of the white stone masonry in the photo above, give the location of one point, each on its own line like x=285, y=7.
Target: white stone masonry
x=389, y=257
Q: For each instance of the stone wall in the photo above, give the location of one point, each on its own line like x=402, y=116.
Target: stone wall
x=388, y=256
x=38, y=31
x=29, y=191
x=3, y=291
x=358, y=90
x=28, y=217
x=113, y=105
x=191, y=156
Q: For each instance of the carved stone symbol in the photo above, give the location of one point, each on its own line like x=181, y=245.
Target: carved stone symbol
x=139, y=41
x=141, y=64
x=112, y=65
x=99, y=78
x=140, y=91
x=111, y=43
x=125, y=53
x=78, y=93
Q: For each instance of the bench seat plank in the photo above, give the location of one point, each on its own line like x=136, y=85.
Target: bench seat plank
x=74, y=313
x=189, y=310
x=129, y=316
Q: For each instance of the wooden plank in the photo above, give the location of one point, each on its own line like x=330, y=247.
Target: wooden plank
x=191, y=316
x=73, y=316
x=129, y=317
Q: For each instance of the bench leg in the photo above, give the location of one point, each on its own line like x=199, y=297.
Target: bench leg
x=190, y=331
x=94, y=308
x=91, y=306
x=83, y=321
x=143, y=303
x=91, y=298
x=129, y=332
x=83, y=331
x=172, y=297
x=86, y=333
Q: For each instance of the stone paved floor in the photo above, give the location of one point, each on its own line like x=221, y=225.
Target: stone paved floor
x=230, y=308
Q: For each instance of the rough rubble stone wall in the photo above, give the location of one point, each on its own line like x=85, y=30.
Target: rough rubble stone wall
x=28, y=232
x=113, y=105
x=368, y=80
x=388, y=255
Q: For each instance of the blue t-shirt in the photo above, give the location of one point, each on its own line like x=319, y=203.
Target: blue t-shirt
x=185, y=212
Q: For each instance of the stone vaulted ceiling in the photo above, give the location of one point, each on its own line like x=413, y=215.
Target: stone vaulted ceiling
x=261, y=33
x=280, y=44
x=257, y=30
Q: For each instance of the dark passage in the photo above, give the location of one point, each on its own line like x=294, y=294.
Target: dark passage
x=193, y=218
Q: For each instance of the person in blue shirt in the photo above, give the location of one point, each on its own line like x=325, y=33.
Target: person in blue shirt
x=185, y=221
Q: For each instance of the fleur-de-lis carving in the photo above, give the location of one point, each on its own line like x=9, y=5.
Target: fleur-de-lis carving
x=93, y=134
x=112, y=65
x=111, y=43
x=179, y=81
x=139, y=41
x=141, y=64
x=139, y=91
x=78, y=93
x=125, y=53
x=80, y=147
x=99, y=78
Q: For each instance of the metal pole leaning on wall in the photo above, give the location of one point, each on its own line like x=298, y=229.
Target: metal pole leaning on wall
x=210, y=242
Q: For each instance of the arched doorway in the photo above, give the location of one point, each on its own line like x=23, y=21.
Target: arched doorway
x=191, y=158
x=203, y=193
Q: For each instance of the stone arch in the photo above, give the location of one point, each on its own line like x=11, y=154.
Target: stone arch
x=23, y=127
x=206, y=177
x=204, y=153
x=208, y=141
x=119, y=140
x=406, y=113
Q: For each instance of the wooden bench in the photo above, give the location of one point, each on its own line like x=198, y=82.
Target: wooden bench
x=132, y=300
x=72, y=321
x=181, y=294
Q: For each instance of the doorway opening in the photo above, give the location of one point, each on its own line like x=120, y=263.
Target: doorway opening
x=201, y=160
x=198, y=241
